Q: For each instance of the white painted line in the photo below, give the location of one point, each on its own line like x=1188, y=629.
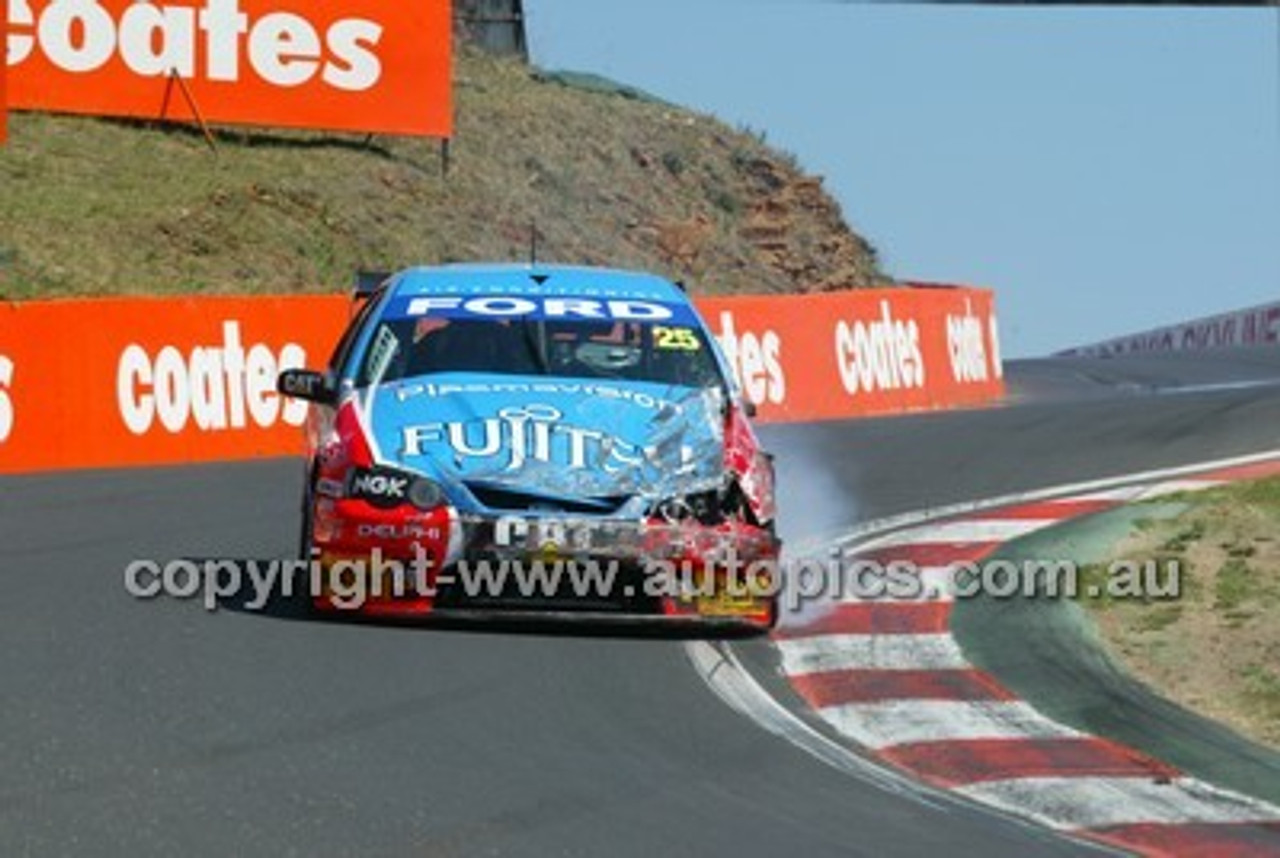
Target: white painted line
x=901, y=722
x=965, y=532
x=825, y=653
x=1173, y=487
x=936, y=584
x=1096, y=802
x=1118, y=496
x=1216, y=387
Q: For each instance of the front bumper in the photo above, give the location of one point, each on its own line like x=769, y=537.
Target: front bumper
x=555, y=568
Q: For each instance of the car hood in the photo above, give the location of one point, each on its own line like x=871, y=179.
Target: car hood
x=553, y=437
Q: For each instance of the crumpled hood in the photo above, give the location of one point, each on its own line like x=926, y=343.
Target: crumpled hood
x=563, y=438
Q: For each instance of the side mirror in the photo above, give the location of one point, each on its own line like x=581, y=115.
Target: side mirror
x=306, y=384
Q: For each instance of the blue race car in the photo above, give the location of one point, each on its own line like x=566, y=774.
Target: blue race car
x=517, y=440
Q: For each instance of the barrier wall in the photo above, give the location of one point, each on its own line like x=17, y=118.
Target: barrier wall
x=847, y=354
x=372, y=66
x=1256, y=326
x=149, y=381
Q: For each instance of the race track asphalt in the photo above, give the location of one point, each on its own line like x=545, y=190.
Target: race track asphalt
x=157, y=728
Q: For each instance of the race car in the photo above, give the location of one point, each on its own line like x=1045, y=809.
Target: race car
x=534, y=441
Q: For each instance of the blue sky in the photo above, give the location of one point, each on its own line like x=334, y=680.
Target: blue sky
x=1105, y=170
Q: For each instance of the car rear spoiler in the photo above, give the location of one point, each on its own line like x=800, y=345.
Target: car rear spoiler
x=369, y=282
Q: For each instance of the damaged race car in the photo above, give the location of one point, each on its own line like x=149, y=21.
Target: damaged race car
x=516, y=441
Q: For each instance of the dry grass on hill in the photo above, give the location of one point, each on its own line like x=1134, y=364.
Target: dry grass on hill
x=92, y=206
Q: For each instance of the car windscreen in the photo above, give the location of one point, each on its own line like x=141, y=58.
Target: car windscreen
x=632, y=351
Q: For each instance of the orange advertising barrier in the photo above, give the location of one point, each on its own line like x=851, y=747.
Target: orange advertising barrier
x=376, y=66
x=142, y=381
x=846, y=354
x=119, y=382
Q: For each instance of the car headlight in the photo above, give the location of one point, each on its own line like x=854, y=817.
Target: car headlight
x=704, y=507
x=387, y=488
x=425, y=494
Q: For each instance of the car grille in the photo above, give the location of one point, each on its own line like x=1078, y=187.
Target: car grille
x=510, y=500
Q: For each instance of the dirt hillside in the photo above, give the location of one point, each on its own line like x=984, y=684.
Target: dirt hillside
x=608, y=175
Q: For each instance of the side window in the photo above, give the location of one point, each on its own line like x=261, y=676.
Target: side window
x=343, y=350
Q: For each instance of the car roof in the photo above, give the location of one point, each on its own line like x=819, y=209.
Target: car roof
x=536, y=280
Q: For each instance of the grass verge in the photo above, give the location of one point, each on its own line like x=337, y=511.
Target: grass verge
x=1215, y=649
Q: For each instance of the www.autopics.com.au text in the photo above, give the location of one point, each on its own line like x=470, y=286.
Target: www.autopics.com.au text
x=351, y=583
